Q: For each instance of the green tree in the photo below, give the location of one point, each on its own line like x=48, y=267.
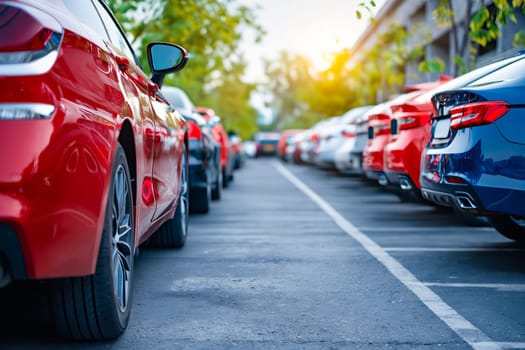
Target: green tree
x=332, y=94
x=381, y=72
x=230, y=100
x=303, y=96
x=211, y=30
x=289, y=80
x=472, y=29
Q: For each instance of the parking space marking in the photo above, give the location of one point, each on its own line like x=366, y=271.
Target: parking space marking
x=415, y=229
x=426, y=249
x=510, y=345
x=462, y=327
x=502, y=287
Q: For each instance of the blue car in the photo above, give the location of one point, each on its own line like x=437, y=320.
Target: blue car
x=475, y=160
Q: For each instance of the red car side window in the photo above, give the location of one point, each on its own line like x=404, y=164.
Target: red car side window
x=115, y=34
x=86, y=13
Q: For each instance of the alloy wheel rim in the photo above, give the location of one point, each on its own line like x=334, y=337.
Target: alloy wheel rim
x=122, y=238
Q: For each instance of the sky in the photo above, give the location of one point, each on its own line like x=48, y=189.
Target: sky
x=313, y=28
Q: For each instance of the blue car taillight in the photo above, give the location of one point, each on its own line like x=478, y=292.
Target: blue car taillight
x=477, y=114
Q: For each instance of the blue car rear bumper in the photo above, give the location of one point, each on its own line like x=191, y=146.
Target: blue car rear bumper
x=490, y=173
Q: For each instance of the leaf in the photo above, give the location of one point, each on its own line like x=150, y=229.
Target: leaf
x=519, y=39
x=460, y=62
x=358, y=14
x=432, y=66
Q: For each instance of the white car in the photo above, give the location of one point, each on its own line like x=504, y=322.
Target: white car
x=250, y=148
x=349, y=155
x=333, y=137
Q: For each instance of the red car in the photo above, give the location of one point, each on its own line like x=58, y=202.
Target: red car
x=378, y=134
x=377, y=156
x=205, y=176
x=410, y=130
x=221, y=137
x=286, y=141
x=236, y=149
x=93, y=161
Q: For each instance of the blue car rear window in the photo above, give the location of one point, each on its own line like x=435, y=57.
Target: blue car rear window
x=515, y=70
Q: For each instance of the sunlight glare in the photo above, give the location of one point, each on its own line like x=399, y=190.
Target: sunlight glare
x=322, y=56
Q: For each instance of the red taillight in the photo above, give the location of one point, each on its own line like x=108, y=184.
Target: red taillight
x=380, y=123
x=479, y=113
x=348, y=134
x=20, y=31
x=378, y=119
x=407, y=123
x=194, y=131
x=455, y=180
x=413, y=120
x=27, y=35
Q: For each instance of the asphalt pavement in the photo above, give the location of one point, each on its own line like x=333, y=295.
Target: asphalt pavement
x=294, y=257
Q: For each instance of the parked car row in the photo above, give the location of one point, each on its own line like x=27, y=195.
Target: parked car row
x=213, y=153
x=458, y=143
x=96, y=159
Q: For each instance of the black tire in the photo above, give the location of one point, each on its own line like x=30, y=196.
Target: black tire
x=410, y=196
x=97, y=307
x=471, y=219
x=225, y=178
x=216, y=192
x=173, y=233
x=512, y=227
x=237, y=163
x=200, y=200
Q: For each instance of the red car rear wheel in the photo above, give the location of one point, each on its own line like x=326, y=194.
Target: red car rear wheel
x=97, y=307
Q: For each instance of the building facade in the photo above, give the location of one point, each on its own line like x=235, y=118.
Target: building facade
x=417, y=16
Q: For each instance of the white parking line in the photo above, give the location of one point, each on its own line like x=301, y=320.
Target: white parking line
x=503, y=287
x=426, y=249
x=420, y=229
x=511, y=345
x=457, y=323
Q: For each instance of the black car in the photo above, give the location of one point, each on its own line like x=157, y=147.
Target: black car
x=205, y=153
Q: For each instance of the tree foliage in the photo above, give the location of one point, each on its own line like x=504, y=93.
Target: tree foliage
x=289, y=83
x=300, y=95
x=211, y=30
x=225, y=98
x=366, y=6
x=303, y=96
x=477, y=26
